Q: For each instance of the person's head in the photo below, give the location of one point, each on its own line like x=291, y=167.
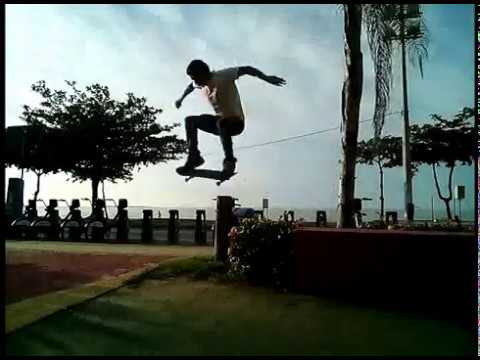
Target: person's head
x=198, y=72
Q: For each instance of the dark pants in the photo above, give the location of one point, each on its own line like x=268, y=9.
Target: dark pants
x=214, y=125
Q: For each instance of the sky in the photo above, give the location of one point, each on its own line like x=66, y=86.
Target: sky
x=145, y=49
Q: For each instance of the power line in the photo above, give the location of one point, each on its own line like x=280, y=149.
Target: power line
x=299, y=136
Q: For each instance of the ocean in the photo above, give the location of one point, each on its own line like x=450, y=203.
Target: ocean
x=136, y=212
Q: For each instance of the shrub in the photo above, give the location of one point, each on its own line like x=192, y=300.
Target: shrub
x=261, y=252
x=447, y=226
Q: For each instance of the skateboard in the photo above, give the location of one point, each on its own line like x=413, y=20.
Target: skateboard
x=207, y=174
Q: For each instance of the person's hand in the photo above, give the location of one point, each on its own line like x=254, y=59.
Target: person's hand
x=178, y=103
x=275, y=80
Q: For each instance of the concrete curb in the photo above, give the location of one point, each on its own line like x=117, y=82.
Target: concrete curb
x=30, y=310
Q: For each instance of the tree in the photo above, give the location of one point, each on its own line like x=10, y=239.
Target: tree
x=351, y=96
x=32, y=148
x=380, y=50
x=447, y=142
x=102, y=138
x=385, y=152
x=378, y=21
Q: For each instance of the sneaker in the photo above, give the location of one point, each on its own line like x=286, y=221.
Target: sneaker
x=192, y=162
x=229, y=166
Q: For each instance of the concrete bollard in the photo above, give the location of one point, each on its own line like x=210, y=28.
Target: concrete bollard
x=201, y=228
x=173, y=227
x=147, y=227
x=55, y=228
x=123, y=227
x=321, y=218
x=223, y=226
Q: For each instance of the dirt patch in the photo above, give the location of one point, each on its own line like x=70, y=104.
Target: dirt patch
x=32, y=273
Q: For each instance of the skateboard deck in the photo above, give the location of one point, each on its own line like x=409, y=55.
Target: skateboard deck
x=207, y=174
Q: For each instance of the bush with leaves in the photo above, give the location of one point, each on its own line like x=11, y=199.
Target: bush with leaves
x=261, y=252
x=445, y=226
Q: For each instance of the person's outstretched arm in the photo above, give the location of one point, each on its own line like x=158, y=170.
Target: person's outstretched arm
x=271, y=79
x=187, y=91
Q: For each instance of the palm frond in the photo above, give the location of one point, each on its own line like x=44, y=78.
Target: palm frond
x=418, y=47
x=374, y=17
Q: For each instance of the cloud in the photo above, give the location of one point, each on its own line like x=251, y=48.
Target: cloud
x=167, y=13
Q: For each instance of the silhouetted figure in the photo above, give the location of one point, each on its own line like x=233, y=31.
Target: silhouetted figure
x=222, y=93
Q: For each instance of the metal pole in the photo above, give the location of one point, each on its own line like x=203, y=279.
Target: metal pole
x=433, y=214
x=460, y=209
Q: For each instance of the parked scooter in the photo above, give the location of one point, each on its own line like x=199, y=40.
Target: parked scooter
x=119, y=221
x=48, y=226
x=20, y=227
x=71, y=225
x=95, y=225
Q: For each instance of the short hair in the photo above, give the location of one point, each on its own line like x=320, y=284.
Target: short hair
x=197, y=67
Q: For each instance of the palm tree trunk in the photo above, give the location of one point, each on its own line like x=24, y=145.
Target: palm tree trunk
x=406, y=124
x=351, y=96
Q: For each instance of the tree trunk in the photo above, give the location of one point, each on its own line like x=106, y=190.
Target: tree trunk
x=406, y=155
x=103, y=195
x=382, y=199
x=95, y=183
x=351, y=96
x=446, y=199
x=447, y=207
x=450, y=194
x=37, y=191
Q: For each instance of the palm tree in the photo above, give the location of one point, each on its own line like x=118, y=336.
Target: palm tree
x=351, y=96
x=379, y=23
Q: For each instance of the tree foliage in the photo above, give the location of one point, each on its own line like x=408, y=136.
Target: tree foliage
x=447, y=142
x=33, y=148
x=100, y=138
x=385, y=152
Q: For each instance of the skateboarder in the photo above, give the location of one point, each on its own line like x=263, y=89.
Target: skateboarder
x=221, y=91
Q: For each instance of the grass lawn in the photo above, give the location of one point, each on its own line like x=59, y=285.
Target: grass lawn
x=171, y=312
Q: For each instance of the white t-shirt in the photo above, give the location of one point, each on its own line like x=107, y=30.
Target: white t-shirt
x=222, y=93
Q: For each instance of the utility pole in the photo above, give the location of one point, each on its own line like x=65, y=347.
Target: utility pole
x=405, y=25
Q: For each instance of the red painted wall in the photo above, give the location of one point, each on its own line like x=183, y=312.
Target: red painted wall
x=425, y=270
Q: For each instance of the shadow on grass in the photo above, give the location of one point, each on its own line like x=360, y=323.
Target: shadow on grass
x=190, y=317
